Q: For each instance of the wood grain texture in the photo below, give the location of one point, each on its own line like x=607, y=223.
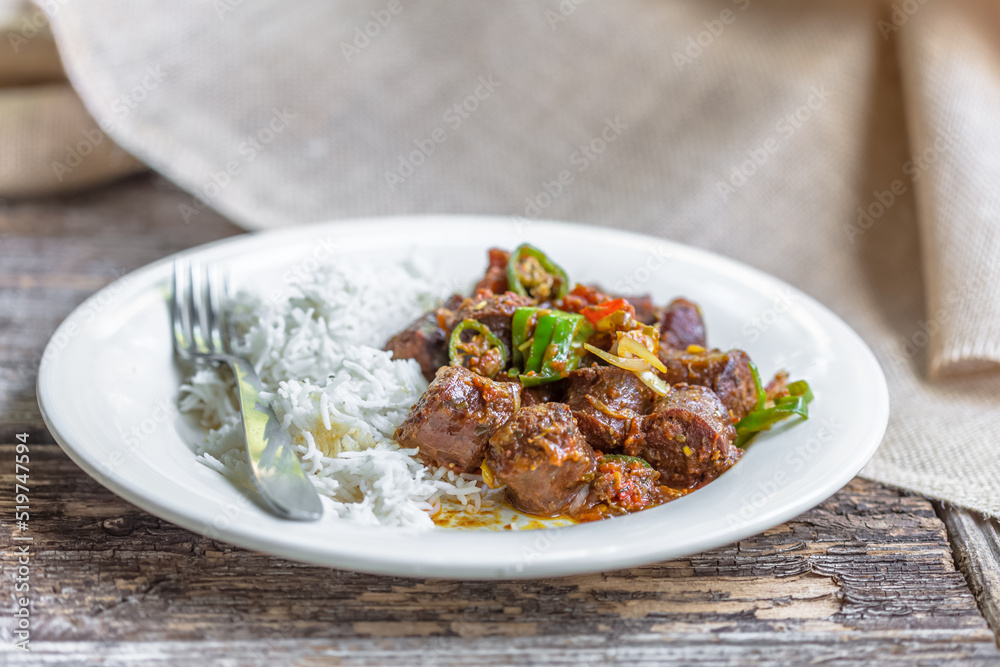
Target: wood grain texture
x=868, y=573
x=975, y=543
x=56, y=253
x=868, y=576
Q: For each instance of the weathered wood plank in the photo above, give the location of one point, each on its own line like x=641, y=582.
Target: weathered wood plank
x=975, y=542
x=54, y=253
x=867, y=560
x=715, y=649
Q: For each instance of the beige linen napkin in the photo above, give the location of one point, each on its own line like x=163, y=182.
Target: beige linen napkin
x=48, y=141
x=847, y=147
x=952, y=83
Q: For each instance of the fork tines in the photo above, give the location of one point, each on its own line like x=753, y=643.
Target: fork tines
x=197, y=309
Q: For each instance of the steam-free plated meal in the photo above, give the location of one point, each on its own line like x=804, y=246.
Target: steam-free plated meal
x=410, y=406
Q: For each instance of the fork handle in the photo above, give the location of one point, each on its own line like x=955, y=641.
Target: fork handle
x=276, y=470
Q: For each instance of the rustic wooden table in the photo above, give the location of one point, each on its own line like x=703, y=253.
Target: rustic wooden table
x=868, y=576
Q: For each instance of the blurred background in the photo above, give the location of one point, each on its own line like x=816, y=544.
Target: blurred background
x=848, y=147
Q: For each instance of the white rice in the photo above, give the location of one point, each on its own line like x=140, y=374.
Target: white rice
x=339, y=395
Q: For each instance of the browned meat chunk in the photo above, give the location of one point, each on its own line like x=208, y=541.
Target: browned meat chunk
x=543, y=393
x=622, y=485
x=426, y=340
x=542, y=458
x=495, y=279
x=454, y=419
x=688, y=437
x=681, y=325
x=605, y=400
x=728, y=374
x=493, y=310
x=549, y=392
x=645, y=311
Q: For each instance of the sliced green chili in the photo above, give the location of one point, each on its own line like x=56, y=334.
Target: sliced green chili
x=457, y=355
x=762, y=419
x=758, y=387
x=542, y=335
x=521, y=333
x=625, y=459
x=525, y=284
x=559, y=348
x=549, y=343
x=801, y=388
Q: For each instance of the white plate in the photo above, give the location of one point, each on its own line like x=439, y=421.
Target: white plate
x=108, y=384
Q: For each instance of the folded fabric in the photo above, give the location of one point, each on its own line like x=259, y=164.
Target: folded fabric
x=952, y=82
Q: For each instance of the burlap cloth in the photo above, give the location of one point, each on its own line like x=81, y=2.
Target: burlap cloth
x=851, y=148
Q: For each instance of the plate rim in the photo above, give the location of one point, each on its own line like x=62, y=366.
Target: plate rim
x=544, y=566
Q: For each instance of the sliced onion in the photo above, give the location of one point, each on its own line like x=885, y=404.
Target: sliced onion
x=653, y=381
x=603, y=407
x=634, y=365
x=627, y=344
x=488, y=477
x=579, y=499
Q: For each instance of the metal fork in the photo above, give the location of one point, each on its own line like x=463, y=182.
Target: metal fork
x=201, y=335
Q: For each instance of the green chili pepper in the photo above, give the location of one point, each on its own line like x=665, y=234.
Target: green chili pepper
x=758, y=387
x=552, y=348
x=762, y=419
x=625, y=459
x=543, y=334
x=523, y=284
x=520, y=326
x=555, y=346
x=456, y=355
x=801, y=388
x=559, y=348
